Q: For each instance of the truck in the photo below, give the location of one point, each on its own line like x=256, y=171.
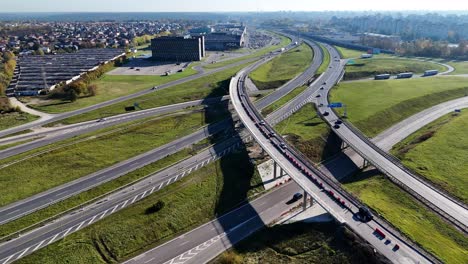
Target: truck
x=282, y=49
x=366, y=56
x=404, y=75
x=430, y=73
x=384, y=76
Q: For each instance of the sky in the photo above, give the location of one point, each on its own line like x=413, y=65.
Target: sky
x=223, y=5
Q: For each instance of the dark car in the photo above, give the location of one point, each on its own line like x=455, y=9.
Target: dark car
x=336, y=126
x=365, y=214
x=318, y=95
x=325, y=113
x=338, y=122
x=297, y=196
x=321, y=88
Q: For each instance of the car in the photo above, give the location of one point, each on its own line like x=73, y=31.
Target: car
x=325, y=113
x=154, y=87
x=101, y=120
x=137, y=69
x=324, y=83
x=336, y=126
x=321, y=88
x=131, y=68
x=297, y=196
x=364, y=214
x=262, y=122
x=321, y=105
x=282, y=145
x=338, y=122
x=318, y=95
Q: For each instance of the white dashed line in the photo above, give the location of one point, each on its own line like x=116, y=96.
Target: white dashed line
x=68, y=231
x=20, y=255
x=52, y=240
x=38, y=245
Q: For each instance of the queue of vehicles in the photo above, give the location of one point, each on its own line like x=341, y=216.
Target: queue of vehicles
x=404, y=75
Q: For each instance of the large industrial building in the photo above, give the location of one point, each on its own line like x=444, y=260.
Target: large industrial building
x=224, y=41
x=178, y=49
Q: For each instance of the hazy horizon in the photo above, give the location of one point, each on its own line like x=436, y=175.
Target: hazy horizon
x=119, y=6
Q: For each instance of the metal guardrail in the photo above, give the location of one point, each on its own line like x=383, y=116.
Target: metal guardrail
x=387, y=226
x=398, y=163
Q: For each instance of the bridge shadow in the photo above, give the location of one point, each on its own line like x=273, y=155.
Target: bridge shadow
x=237, y=177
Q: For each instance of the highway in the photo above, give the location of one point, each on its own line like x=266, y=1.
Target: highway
x=446, y=206
x=30, y=204
x=41, y=200
x=28, y=250
x=82, y=217
x=54, y=134
x=209, y=240
x=59, y=193
x=62, y=116
x=327, y=193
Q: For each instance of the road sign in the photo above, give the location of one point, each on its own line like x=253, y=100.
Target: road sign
x=335, y=105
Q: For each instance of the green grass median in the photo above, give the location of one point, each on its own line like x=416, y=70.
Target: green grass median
x=100, y=150
x=283, y=68
x=111, y=87
x=411, y=217
x=362, y=68
x=373, y=106
x=439, y=152
x=13, y=119
x=283, y=100
x=190, y=202
x=213, y=85
x=326, y=60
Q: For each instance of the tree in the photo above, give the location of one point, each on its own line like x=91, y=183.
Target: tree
x=72, y=95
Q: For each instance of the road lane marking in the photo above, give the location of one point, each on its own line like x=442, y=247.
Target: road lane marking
x=143, y=195
x=66, y=233
x=38, y=245
x=148, y=261
x=134, y=199
x=115, y=208
x=52, y=240
x=160, y=186
x=8, y=258
x=92, y=219
x=13, y=211
x=152, y=189
x=103, y=214
x=20, y=255
x=125, y=203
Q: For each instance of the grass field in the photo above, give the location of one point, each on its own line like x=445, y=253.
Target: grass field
x=300, y=243
x=374, y=106
x=439, y=152
x=190, y=202
x=284, y=42
x=461, y=67
x=15, y=119
x=82, y=158
x=369, y=67
x=110, y=87
x=283, y=68
x=213, y=85
x=283, y=100
x=50, y=211
x=349, y=53
x=326, y=60
x=309, y=134
x=410, y=217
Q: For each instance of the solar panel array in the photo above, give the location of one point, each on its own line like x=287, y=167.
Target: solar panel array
x=35, y=73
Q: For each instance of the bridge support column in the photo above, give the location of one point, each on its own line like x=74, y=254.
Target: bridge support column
x=275, y=169
x=304, y=202
x=365, y=163
x=343, y=145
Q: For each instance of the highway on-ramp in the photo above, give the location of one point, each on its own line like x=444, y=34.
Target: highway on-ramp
x=447, y=207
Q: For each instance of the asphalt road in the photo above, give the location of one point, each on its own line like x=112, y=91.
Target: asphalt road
x=41, y=200
x=59, y=117
x=341, y=214
x=59, y=193
x=55, y=134
x=295, y=82
x=443, y=204
x=201, y=244
x=80, y=218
